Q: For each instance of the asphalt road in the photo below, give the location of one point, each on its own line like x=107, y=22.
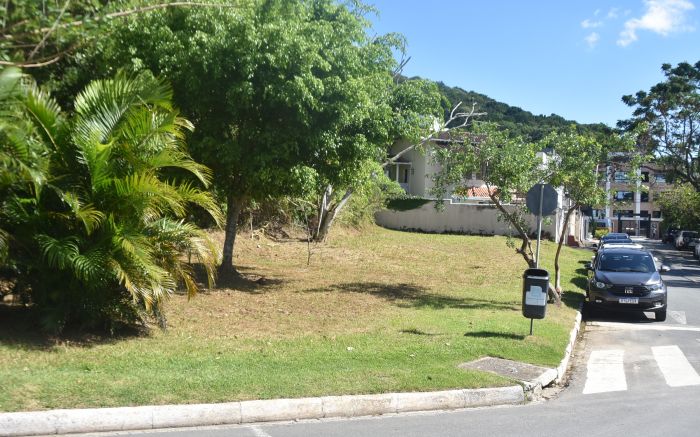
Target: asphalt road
x=630, y=376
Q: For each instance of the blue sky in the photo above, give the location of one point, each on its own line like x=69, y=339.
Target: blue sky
x=574, y=58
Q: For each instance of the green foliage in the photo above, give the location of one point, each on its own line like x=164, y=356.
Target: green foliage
x=370, y=197
x=667, y=117
x=283, y=94
x=599, y=233
x=573, y=165
x=405, y=203
x=35, y=33
x=681, y=206
x=508, y=163
x=97, y=223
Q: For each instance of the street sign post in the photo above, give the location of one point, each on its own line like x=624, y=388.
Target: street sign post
x=542, y=200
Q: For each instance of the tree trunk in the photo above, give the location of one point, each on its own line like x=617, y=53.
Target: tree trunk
x=526, y=246
x=328, y=214
x=234, y=206
x=557, y=270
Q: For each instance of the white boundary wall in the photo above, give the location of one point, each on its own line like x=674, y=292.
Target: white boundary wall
x=460, y=218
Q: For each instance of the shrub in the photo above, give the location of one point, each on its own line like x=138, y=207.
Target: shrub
x=601, y=233
x=97, y=215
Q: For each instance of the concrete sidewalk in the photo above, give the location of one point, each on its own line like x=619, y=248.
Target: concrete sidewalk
x=174, y=416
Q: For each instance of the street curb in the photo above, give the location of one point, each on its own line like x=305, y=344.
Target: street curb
x=233, y=413
x=75, y=421
x=534, y=388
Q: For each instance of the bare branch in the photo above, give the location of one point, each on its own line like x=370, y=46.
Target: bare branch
x=399, y=69
x=50, y=61
x=464, y=118
x=49, y=32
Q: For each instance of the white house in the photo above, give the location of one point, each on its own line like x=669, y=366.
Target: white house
x=470, y=214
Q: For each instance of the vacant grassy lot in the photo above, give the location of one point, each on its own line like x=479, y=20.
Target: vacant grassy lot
x=375, y=311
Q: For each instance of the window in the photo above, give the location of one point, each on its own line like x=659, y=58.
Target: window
x=644, y=213
x=623, y=213
x=628, y=262
x=660, y=178
x=656, y=214
x=621, y=176
x=645, y=196
x=624, y=195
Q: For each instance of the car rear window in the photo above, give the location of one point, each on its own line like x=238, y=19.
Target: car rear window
x=626, y=262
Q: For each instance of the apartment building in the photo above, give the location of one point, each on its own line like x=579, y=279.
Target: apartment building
x=632, y=199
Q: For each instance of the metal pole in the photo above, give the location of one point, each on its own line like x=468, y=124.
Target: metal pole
x=531, y=320
x=539, y=228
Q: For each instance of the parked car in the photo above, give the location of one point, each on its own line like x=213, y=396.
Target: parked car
x=670, y=235
x=694, y=242
x=605, y=243
x=614, y=236
x=625, y=279
x=696, y=251
x=684, y=239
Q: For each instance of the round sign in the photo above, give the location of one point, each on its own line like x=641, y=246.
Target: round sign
x=549, y=199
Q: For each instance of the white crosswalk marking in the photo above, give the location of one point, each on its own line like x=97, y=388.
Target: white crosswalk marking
x=605, y=372
x=675, y=366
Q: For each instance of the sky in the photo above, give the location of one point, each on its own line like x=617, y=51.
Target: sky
x=574, y=58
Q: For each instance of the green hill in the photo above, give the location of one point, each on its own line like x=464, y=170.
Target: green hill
x=516, y=120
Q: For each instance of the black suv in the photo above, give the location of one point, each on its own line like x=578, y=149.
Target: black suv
x=624, y=279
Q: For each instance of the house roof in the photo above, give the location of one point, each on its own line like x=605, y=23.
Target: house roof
x=480, y=192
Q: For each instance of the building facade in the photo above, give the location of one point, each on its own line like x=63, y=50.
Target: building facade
x=632, y=199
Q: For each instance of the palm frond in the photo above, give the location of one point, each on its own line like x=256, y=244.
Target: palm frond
x=58, y=253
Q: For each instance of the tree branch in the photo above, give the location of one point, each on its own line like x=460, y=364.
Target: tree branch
x=454, y=115
x=49, y=32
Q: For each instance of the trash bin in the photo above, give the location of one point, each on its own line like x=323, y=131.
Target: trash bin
x=535, y=285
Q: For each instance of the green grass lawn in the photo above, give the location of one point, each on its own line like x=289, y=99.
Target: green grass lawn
x=375, y=311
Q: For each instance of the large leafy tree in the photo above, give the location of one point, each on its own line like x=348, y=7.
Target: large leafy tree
x=36, y=34
x=667, y=120
x=681, y=206
x=281, y=92
x=94, y=221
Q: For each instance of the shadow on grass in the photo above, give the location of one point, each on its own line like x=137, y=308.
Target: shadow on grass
x=413, y=296
x=418, y=332
x=20, y=326
x=572, y=299
x=580, y=282
x=243, y=279
x=490, y=334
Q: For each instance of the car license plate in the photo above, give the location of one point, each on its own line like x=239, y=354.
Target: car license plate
x=629, y=300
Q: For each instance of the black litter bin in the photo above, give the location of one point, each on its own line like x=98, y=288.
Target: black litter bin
x=535, y=285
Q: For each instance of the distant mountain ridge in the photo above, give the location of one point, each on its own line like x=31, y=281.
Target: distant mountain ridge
x=515, y=119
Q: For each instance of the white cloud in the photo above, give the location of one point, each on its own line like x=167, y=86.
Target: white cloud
x=589, y=24
x=661, y=16
x=612, y=13
x=592, y=40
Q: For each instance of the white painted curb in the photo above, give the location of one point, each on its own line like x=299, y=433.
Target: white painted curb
x=173, y=416
x=534, y=388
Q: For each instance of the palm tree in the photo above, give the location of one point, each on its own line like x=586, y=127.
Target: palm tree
x=100, y=235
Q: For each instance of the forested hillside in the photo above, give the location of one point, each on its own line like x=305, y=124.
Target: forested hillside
x=516, y=120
